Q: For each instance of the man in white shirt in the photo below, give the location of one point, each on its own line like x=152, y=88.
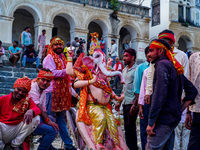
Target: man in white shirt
x=113, y=51
x=47, y=128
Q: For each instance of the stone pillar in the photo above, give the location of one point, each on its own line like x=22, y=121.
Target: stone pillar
x=39, y=26
x=6, y=24
x=80, y=33
x=139, y=45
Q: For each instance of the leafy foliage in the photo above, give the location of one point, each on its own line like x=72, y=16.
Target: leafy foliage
x=115, y=5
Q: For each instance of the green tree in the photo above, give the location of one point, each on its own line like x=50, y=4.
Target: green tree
x=115, y=5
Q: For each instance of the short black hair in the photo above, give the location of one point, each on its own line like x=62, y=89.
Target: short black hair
x=43, y=30
x=16, y=42
x=131, y=51
x=146, y=50
x=76, y=38
x=164, y=42
x=0, y=42
x=31, y=45
x=26, y=28
x=167, y=31
x=113, y=40
x=68, y=44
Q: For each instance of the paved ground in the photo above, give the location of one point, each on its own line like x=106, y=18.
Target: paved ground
x=59, y=145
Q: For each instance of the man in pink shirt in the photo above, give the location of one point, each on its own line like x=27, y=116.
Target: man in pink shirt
x=143, y=110
x=41, y=42
x=59, y=91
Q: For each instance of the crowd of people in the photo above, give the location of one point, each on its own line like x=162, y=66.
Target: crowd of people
x=163, y=91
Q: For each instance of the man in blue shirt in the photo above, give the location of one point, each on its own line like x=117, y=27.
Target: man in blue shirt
x=26, y=38
x=14, y=53
x=165, y=108
x=137, y=83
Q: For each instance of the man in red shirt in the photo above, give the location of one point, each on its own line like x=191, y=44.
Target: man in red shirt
x=117, y=67
x=16, y=115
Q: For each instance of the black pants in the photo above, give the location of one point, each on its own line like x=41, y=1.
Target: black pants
x=130, y=128
x=194, y=142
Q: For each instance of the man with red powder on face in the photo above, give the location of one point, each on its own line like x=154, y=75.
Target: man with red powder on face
x=166, y=108
x=16, y=115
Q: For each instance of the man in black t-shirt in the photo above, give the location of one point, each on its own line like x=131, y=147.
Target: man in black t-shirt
x=30, y=56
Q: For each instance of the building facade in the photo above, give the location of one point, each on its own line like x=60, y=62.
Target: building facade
x=76, y=18
x=180, y=16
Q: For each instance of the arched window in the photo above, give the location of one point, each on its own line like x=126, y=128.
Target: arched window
x=155, y=12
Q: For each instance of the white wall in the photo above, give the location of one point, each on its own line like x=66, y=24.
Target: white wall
x=164, y=20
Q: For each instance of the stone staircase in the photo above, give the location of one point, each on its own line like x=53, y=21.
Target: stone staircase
x=8, y=75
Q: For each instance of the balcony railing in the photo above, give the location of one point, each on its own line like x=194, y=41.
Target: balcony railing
x=123, y=6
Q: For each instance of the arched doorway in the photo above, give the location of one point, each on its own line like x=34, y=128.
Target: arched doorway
x=127, y=33
x=99, y=27
x=185, y=43
x=23, y=18
x=61, y=28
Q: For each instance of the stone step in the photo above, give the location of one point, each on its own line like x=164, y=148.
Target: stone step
x=6, y=85
x=5, y=91
x=18, y=74
x=18, y=64
x=18, y=70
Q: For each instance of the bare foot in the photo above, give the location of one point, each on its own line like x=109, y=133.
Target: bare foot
x=100, y=147
x=22, y=68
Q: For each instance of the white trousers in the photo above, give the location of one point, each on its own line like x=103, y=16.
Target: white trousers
x=41, y=48
x=181, y=134
x=16, y=133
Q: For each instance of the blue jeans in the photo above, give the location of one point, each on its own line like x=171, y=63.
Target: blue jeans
x=117, y=78
x=143, y=126
x=48, y=135
x=31, y=60
x=60, y=120
x=113, y=63
x=163, y=138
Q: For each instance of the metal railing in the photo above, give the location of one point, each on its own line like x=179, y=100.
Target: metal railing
x=125, y=7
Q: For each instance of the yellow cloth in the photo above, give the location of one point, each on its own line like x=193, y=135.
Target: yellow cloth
x=65, y=51
x=102, y=118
